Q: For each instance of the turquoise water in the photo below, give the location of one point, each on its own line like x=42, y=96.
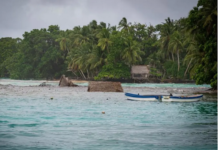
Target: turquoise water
x=160, y=85
x=26, y=82
x=55, y=83
x=76, y=122
x=171, y=85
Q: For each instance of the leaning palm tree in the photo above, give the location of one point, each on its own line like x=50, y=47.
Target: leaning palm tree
x=96, y=58
x=194, y=53
x=77, y=59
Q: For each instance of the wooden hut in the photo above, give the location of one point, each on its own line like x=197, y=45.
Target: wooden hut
x=102, y=86
x=140, y=72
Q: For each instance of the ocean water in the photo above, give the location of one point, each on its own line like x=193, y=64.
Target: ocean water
x=55, y=83
x=75, y=121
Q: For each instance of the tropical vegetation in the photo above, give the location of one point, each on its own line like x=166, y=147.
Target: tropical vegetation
x=175, y=49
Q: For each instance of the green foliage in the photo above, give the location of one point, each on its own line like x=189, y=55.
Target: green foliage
x=154, y=72
x=213, y=82
x=181, y=48
x=38, y=56
x=172, y=70
x=202, y=22
x=111, y=71
x=8, y=46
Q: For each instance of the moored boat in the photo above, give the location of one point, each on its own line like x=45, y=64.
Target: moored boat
x=191, y=98
x=138, y=97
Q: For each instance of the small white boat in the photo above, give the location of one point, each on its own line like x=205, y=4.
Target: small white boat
x=192, y=98
x=137, y=97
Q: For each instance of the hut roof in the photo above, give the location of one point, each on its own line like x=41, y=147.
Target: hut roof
x=140, y=69
x=99, y=86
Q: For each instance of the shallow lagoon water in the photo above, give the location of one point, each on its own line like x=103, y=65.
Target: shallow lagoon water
x=75, y=121
x=55, y=83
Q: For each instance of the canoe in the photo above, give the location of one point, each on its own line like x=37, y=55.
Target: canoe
x=192, y=98
x=164, y=98
x=137, y=97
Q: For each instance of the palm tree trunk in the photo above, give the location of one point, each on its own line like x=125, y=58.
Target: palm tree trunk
x=87, y=73
x=172, y=56
x=80, y=73
x=92, y=75
x=74, y=74
x=107, y=49
x=187, y=67
x=163, y=73
x=83, y=74
x=178, y=59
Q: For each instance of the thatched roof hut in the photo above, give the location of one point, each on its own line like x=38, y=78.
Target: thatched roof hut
x=140, y=72
x=100, y=86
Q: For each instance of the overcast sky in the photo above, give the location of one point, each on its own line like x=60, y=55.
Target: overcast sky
x=18, y=16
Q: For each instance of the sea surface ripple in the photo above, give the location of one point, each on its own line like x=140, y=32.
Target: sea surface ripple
x=76, y=122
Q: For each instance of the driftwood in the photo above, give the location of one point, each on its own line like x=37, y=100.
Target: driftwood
x=99, y=86
x=64, y=81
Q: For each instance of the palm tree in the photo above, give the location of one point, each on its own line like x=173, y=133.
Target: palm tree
x=104, y=39
x=81, y=35
x=124, y=25
x=166, y=30
x=65, y=43
x=203, y=16
x=96, y=58
x=208, y=14
x=102, y=25
x=93, y=24
x=77, y=59
x=176, y=44
x=131, y=53
x=194, y=54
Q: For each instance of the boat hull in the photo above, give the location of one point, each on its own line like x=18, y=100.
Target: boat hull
x=181, y=99
x=135, y=97
x=141, y=99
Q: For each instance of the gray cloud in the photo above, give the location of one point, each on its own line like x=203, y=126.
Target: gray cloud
x=18, y=16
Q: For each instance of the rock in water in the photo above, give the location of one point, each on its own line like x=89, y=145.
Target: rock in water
x=64, y=81
x=43, y=84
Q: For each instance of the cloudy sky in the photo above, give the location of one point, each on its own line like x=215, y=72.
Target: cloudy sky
x=18, y=16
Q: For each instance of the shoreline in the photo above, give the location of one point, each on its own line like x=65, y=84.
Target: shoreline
x=151, y=80
x=56, y=91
